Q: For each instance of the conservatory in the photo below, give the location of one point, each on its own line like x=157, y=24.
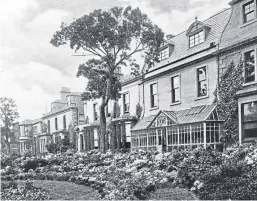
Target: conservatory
x=198, y=126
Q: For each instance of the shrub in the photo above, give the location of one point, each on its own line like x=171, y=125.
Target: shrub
x=235, y=181
x=62, y=146
x=34, y=163
x=12, y=191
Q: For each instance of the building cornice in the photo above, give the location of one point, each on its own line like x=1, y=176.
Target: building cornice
x=132, y=80
x=179, y=66
x=54, y=113
x=231, y=3
x=247, y=91
x=237, y=46
x=185, y=64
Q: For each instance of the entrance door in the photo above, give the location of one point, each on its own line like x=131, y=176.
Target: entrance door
x=161, y=143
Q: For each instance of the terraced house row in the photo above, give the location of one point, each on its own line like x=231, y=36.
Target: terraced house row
x=171, y=103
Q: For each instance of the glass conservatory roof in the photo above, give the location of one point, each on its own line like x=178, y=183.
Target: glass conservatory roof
x=169, y=118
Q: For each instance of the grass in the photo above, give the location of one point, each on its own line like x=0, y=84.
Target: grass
x=59, y=190
x=168, y=192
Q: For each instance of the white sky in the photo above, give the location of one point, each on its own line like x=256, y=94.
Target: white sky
x=32, y=71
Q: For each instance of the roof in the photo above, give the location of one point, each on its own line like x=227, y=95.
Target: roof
x=217, y=24
x=144, y=123
x=74, y=94
x=60, y=110
x=192, y=115
x=30, y=122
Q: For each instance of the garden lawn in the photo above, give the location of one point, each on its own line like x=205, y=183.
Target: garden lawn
x=168, y=192
x=60, y=190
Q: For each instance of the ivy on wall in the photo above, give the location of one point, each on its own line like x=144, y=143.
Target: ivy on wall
x=225, y=93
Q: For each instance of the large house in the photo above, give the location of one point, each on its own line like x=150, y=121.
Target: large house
x=239, y=41
x=177, y=94
x=54, y=126
x=171, y=104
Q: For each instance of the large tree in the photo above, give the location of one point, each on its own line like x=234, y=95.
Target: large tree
x=8, y=115
x=112, y=37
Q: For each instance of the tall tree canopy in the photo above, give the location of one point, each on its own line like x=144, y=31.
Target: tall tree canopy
x=8, y=115
x=112, y=37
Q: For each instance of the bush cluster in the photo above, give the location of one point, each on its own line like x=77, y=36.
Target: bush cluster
x=208, y=173
x=13, y=191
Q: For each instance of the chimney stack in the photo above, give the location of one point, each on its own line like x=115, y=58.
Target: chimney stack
x=169, y=36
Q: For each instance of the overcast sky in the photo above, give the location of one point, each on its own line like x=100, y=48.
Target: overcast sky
x=32, y=71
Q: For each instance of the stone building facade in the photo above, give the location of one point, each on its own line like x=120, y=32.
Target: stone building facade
x=54, y=126
x=177, y=94
x=239, y=42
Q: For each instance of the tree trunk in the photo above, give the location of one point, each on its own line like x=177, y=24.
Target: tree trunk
x=102, y=129
x=107, y=140
x=112, y=136
x=123, y=135
x=118, y=133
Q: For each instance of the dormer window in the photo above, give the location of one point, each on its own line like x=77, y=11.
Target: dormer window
x=248, y=10
x=196, y=39
x=164, y=54
x=197, y=33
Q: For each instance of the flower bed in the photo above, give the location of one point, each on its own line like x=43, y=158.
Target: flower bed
x=133, y=175
x=13, y=191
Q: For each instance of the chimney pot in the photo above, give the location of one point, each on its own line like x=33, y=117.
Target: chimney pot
x=169, y=36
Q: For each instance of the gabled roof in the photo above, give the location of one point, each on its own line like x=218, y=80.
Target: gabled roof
x=216, y=23
x=192, y=115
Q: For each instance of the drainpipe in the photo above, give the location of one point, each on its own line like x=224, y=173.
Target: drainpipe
x=143, y=96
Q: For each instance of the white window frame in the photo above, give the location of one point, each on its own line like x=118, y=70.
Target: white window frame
x=207, y=80
x=171, y=78
x=164, y=53
x=194, y=38
x=157, y=93
x=243, y=11
x=255, y=53
x=124, y=103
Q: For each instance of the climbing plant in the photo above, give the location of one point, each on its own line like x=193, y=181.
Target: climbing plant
x=231, y=82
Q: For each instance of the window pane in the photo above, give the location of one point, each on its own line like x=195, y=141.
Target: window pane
x=250, y=129
x=201, y=74
x=249, y=17
x=202, y=87
x=250, y=112
x=249, y=66
x=249, y=11
x=176, y=95
x=154, y=89
x=176, y=82
x=155, y=101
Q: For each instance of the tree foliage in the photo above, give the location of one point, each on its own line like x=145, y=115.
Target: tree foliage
x=8, y=115
x=227, y=105
x=112, y=37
